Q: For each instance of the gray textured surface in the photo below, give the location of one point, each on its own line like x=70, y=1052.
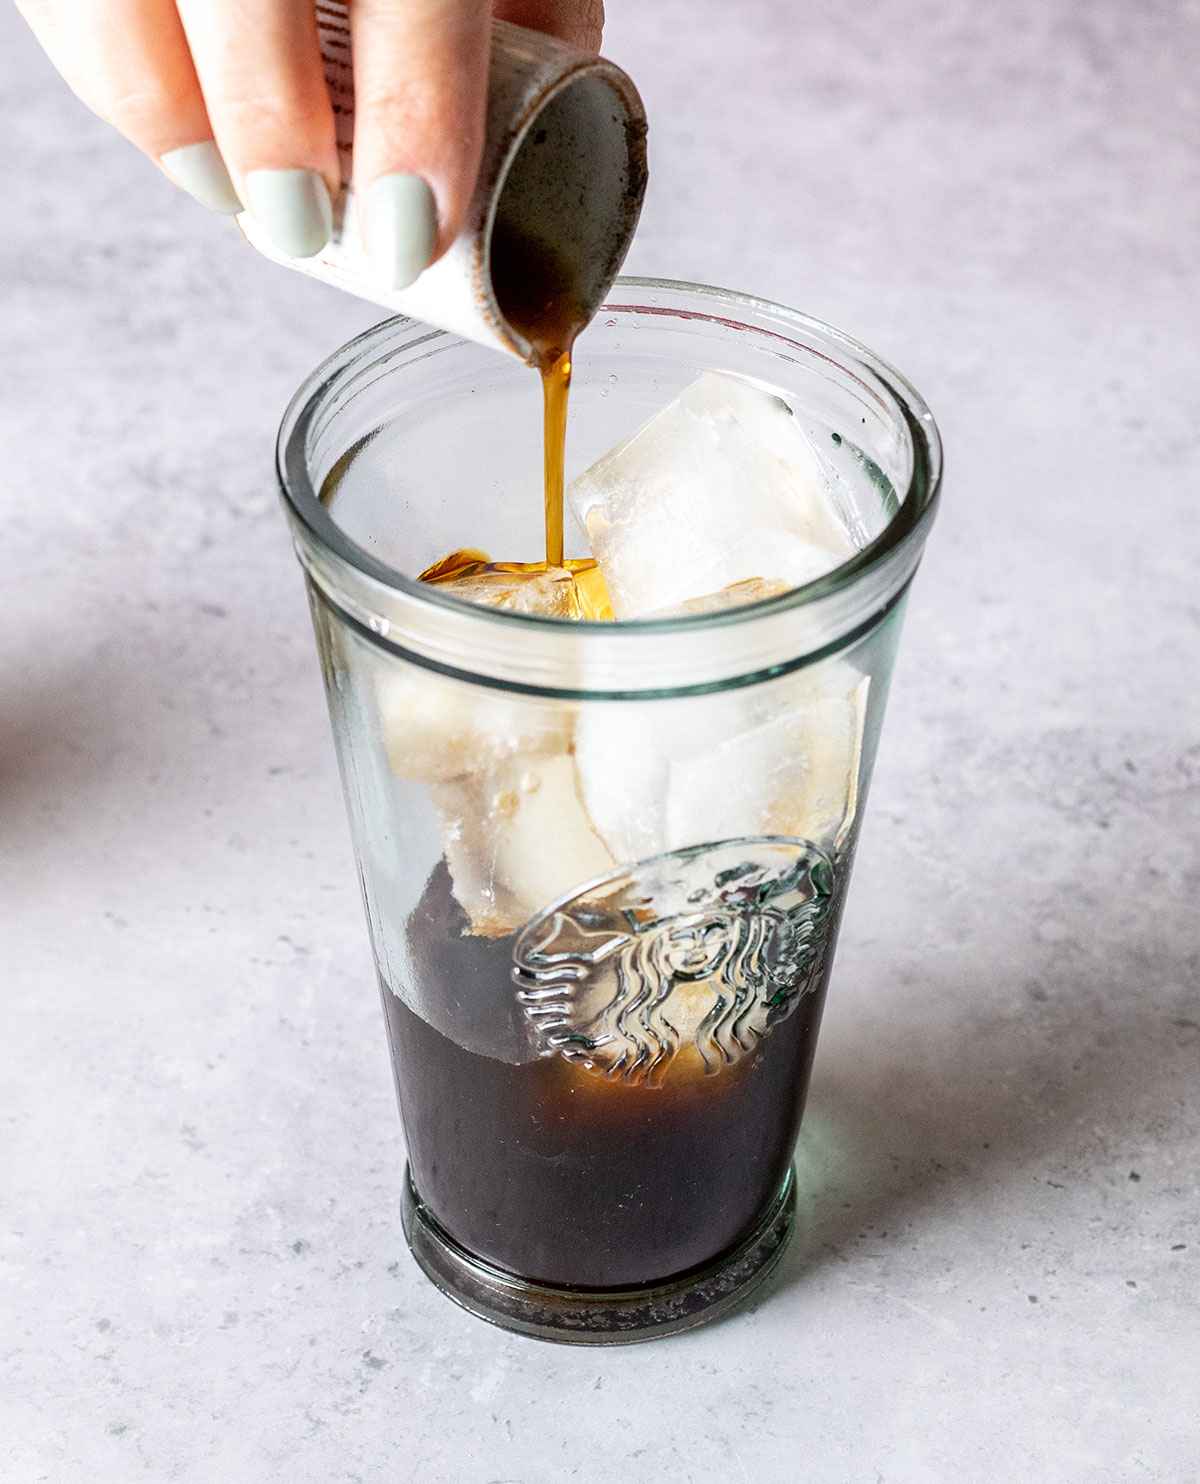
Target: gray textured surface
x=201, y=1268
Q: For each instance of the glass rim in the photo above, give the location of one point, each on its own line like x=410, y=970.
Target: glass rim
x=918, y=502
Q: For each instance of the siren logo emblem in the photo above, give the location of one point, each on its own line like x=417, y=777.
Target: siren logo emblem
x=707, y=947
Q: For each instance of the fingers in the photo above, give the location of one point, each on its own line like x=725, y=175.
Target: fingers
x=229, y=96
x=420, y=84
x=264, y=87
x=128, y=60
x=581, y=22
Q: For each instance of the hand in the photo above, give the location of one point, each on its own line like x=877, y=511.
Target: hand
x=229, y=98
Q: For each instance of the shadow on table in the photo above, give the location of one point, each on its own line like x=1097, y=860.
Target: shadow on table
x=139, y=715
x=57, y=736
x=983, y=1101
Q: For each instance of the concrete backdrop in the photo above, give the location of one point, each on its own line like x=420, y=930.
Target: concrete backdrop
x=201, y=1271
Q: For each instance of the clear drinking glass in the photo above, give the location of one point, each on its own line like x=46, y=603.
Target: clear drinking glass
x=603, y=865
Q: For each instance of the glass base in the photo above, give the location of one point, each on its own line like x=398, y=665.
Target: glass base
x=598, y=1316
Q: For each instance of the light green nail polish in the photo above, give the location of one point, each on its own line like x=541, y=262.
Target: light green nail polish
x=293, y=208
x=199, y=170
x=401, y=228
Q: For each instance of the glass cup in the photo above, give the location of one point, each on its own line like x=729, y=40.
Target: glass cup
x=603, y=864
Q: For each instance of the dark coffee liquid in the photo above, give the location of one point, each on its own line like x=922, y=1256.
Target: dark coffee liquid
x=557, y=1174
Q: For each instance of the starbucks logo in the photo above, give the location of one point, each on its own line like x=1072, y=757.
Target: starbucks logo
x=705, y=948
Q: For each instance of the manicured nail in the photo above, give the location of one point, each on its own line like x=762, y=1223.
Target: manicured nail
x=401, y=228
x=199, y=170
x=293, y=208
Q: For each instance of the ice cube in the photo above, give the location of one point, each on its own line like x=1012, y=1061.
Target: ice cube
x=719, y=487
x=622, y=751
x=501, y=775
x=516, y=837
x=780, y=759
x=435, y=727
x=794, y=774
x=736, y=595
x=550, y=592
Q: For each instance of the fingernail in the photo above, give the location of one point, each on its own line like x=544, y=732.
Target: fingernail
x=199, y=170
x=401, y=228
x=292, y=207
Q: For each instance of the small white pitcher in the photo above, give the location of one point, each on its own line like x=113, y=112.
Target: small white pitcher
x=564, y=162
